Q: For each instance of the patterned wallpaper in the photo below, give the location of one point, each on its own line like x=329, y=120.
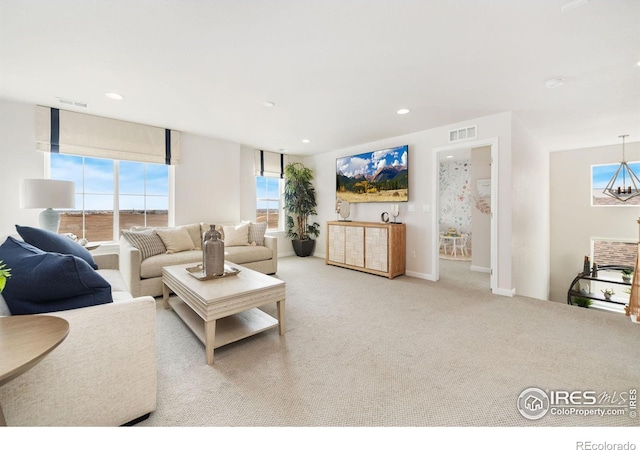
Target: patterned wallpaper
x=455, y=196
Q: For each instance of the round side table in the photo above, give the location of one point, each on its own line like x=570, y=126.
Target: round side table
x=24, y=341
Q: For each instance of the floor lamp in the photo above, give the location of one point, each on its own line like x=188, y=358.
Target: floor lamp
x=48, y=194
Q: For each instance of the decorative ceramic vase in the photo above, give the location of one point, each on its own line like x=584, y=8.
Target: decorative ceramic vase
x=212, y=252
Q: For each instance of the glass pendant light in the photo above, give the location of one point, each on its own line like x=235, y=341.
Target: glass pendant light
x=624, y=184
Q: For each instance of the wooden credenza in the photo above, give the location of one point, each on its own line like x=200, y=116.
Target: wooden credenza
x=377, y=248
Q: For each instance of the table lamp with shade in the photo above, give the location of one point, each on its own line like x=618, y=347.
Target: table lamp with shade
x=48, y=194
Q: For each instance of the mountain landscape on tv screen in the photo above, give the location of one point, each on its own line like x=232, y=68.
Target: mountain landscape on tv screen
x=379, y=176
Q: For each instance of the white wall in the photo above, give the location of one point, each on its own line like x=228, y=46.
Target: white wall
x=18, y=159
x=207, y=181
x=574, y=221
x=531, y=235
x=421, y=192
x=247, y=184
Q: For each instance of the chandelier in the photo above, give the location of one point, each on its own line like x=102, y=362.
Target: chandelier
x=624, y=184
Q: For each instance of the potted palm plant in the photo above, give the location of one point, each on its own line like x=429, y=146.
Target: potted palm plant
x=299, y=205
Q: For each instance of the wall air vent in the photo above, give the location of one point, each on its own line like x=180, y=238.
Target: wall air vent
x=462, y=134
x=66, y=101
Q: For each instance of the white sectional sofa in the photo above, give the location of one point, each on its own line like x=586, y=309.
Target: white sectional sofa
x=143, y=275
x=103, y=374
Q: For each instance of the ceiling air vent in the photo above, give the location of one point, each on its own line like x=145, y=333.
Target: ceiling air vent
x=463, y=133
x=66, y=101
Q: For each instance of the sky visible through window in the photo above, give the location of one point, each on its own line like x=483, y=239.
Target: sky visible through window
x=267, y=188
x=268, y=201
x=96, y=179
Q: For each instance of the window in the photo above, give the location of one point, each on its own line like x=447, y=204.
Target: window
x=138, y=192
x=268, y=207
x=144, y=199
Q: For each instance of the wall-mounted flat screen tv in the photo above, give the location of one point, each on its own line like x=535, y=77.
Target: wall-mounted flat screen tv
x=378, y=176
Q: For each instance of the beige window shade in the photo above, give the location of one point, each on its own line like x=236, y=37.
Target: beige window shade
x=100, y=137
x=269, y=164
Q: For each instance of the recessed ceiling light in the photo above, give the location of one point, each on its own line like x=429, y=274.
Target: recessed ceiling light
x=554, y=82
x=306, y=141
x=403, y=111
x=638, y=64
x=449, y=156
x=114, y=96
x=268, y=104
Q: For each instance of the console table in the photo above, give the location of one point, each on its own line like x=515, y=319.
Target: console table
x=24, y=341
x=377, y=248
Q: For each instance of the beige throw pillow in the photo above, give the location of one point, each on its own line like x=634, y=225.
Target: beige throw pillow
x=196, y=235
x=235, y=235
x=175, y=239
x=256, y=233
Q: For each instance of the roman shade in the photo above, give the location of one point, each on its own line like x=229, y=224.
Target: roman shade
x=269, y=164
x=60, y=131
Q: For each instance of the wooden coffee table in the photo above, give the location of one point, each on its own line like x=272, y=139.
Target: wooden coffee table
x=24, y=341
x=224, y=310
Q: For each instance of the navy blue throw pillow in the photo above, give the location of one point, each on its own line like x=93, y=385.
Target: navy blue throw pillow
x=44, y=282
x=51, y=242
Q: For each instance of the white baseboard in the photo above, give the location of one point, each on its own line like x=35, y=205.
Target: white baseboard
x=423, y=276
x=505, y=292
x=481, y=269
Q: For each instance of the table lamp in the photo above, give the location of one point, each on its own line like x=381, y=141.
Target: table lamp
x=48, y=194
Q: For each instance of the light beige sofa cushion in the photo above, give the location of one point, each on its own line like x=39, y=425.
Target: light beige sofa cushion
x=152, y=267
x=236, y=234
x=246, y=254
x=196, y=235
x=176, y=239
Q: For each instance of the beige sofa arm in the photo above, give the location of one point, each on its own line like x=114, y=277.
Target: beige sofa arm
x=107, y=260
x=103, y=374
x=272, y=243
x=130, y=261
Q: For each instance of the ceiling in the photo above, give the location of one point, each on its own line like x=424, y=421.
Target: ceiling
x=337, y=70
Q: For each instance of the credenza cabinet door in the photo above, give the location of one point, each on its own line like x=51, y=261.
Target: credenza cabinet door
x=376, y=248
x=354, y=246
x=335, y=244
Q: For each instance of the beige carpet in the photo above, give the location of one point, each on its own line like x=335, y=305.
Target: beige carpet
x=361, y=350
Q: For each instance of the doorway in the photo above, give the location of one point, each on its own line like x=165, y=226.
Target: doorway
x=465, y=203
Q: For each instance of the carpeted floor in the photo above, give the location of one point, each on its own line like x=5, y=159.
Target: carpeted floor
x=362, y=350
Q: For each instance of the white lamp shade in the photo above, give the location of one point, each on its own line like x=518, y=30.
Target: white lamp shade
x=39, y=193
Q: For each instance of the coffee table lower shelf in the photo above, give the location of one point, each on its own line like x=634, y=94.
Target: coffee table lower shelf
x=228, y=329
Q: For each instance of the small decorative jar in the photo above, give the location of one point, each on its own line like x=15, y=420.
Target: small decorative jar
x=212, y=252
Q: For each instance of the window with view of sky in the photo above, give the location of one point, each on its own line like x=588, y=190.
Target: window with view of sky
x=268, y=194
x=139, y=192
